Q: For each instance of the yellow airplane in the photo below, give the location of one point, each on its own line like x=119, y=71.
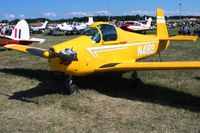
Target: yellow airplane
x=103, y=47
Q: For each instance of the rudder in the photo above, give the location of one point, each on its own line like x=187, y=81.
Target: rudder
x=161, y=31
x=44, y=24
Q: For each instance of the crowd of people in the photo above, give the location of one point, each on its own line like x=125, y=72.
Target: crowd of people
x=6, y=30
x=189, y=28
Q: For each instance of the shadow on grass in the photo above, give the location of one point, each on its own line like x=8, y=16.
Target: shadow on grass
x=50, y=84
x=110, y=85
x=2, y=49
x=197, y=78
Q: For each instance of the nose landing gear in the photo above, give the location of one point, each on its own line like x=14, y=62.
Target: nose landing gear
x=71, y=87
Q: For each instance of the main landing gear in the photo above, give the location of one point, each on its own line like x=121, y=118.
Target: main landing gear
x=135, y=79
x=71, y=87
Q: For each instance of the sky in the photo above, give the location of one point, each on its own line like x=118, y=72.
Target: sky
x=57, y=9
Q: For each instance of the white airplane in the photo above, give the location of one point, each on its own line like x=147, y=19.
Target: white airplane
x=83, y=26
x=20, y=35
x=67, y=28
x=39, y=29
x=137, y=26
x=75, y=28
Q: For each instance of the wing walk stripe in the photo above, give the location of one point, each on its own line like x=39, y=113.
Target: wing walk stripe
x=109, y=65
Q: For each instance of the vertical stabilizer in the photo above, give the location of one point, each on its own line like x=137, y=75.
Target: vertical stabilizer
x=162, y=31
x=21, y=31
x=90, y=21
x=148, y=24
x=44, y=25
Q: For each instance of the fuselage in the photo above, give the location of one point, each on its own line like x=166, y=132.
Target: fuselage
x=126, y=47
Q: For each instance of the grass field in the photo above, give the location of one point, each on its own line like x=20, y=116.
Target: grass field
x=33, y=98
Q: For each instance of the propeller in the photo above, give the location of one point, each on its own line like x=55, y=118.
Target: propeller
x=34, y=51
x=67, y=55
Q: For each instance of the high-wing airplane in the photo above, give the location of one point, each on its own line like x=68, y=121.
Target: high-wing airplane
x=103, y=48
x=20, y=35
x=137, y=26
x=39, y=29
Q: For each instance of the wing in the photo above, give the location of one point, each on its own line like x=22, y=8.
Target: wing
x=27, y=49
x=111, y=67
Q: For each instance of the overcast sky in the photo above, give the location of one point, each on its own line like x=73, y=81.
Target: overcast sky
x=54, y=9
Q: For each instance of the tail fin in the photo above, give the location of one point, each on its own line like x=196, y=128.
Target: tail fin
x=148, y=24
x=90, y=21
x=162, y=31
x=44, y=24
x=65, y=24
x=21, y=31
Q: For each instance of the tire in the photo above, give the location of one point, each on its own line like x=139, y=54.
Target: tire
x=72, y=89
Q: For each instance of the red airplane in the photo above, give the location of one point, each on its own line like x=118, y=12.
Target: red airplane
x=135, y=26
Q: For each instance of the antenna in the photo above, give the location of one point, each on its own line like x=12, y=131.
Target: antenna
x=180, y=9
x=108, y=10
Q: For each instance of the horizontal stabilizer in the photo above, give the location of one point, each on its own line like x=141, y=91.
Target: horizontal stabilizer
x=40, y=40
x=181, y=38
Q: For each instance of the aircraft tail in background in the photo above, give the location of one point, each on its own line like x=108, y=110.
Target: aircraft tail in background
x=20, y=35
x=21, y=31
x=148, y=24
x=90, y=21
x=44, y=25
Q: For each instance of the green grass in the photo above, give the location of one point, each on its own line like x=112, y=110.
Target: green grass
x=33, y=99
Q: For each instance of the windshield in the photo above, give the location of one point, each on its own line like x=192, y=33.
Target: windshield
x=93, y=33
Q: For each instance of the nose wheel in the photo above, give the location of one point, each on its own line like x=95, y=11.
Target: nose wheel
x=71, y=87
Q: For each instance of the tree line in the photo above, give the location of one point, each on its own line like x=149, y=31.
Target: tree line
x=96, y=18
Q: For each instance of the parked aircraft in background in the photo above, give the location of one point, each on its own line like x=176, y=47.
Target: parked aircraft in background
x=20, y=35
x=103, y=48
x=137, y=26
x=83, y=26
x=40, y=29
x=66, y=28
x=74, y=28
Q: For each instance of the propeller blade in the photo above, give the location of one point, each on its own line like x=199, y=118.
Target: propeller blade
x=32, y=50
x=38, y=52
x=67, y=55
